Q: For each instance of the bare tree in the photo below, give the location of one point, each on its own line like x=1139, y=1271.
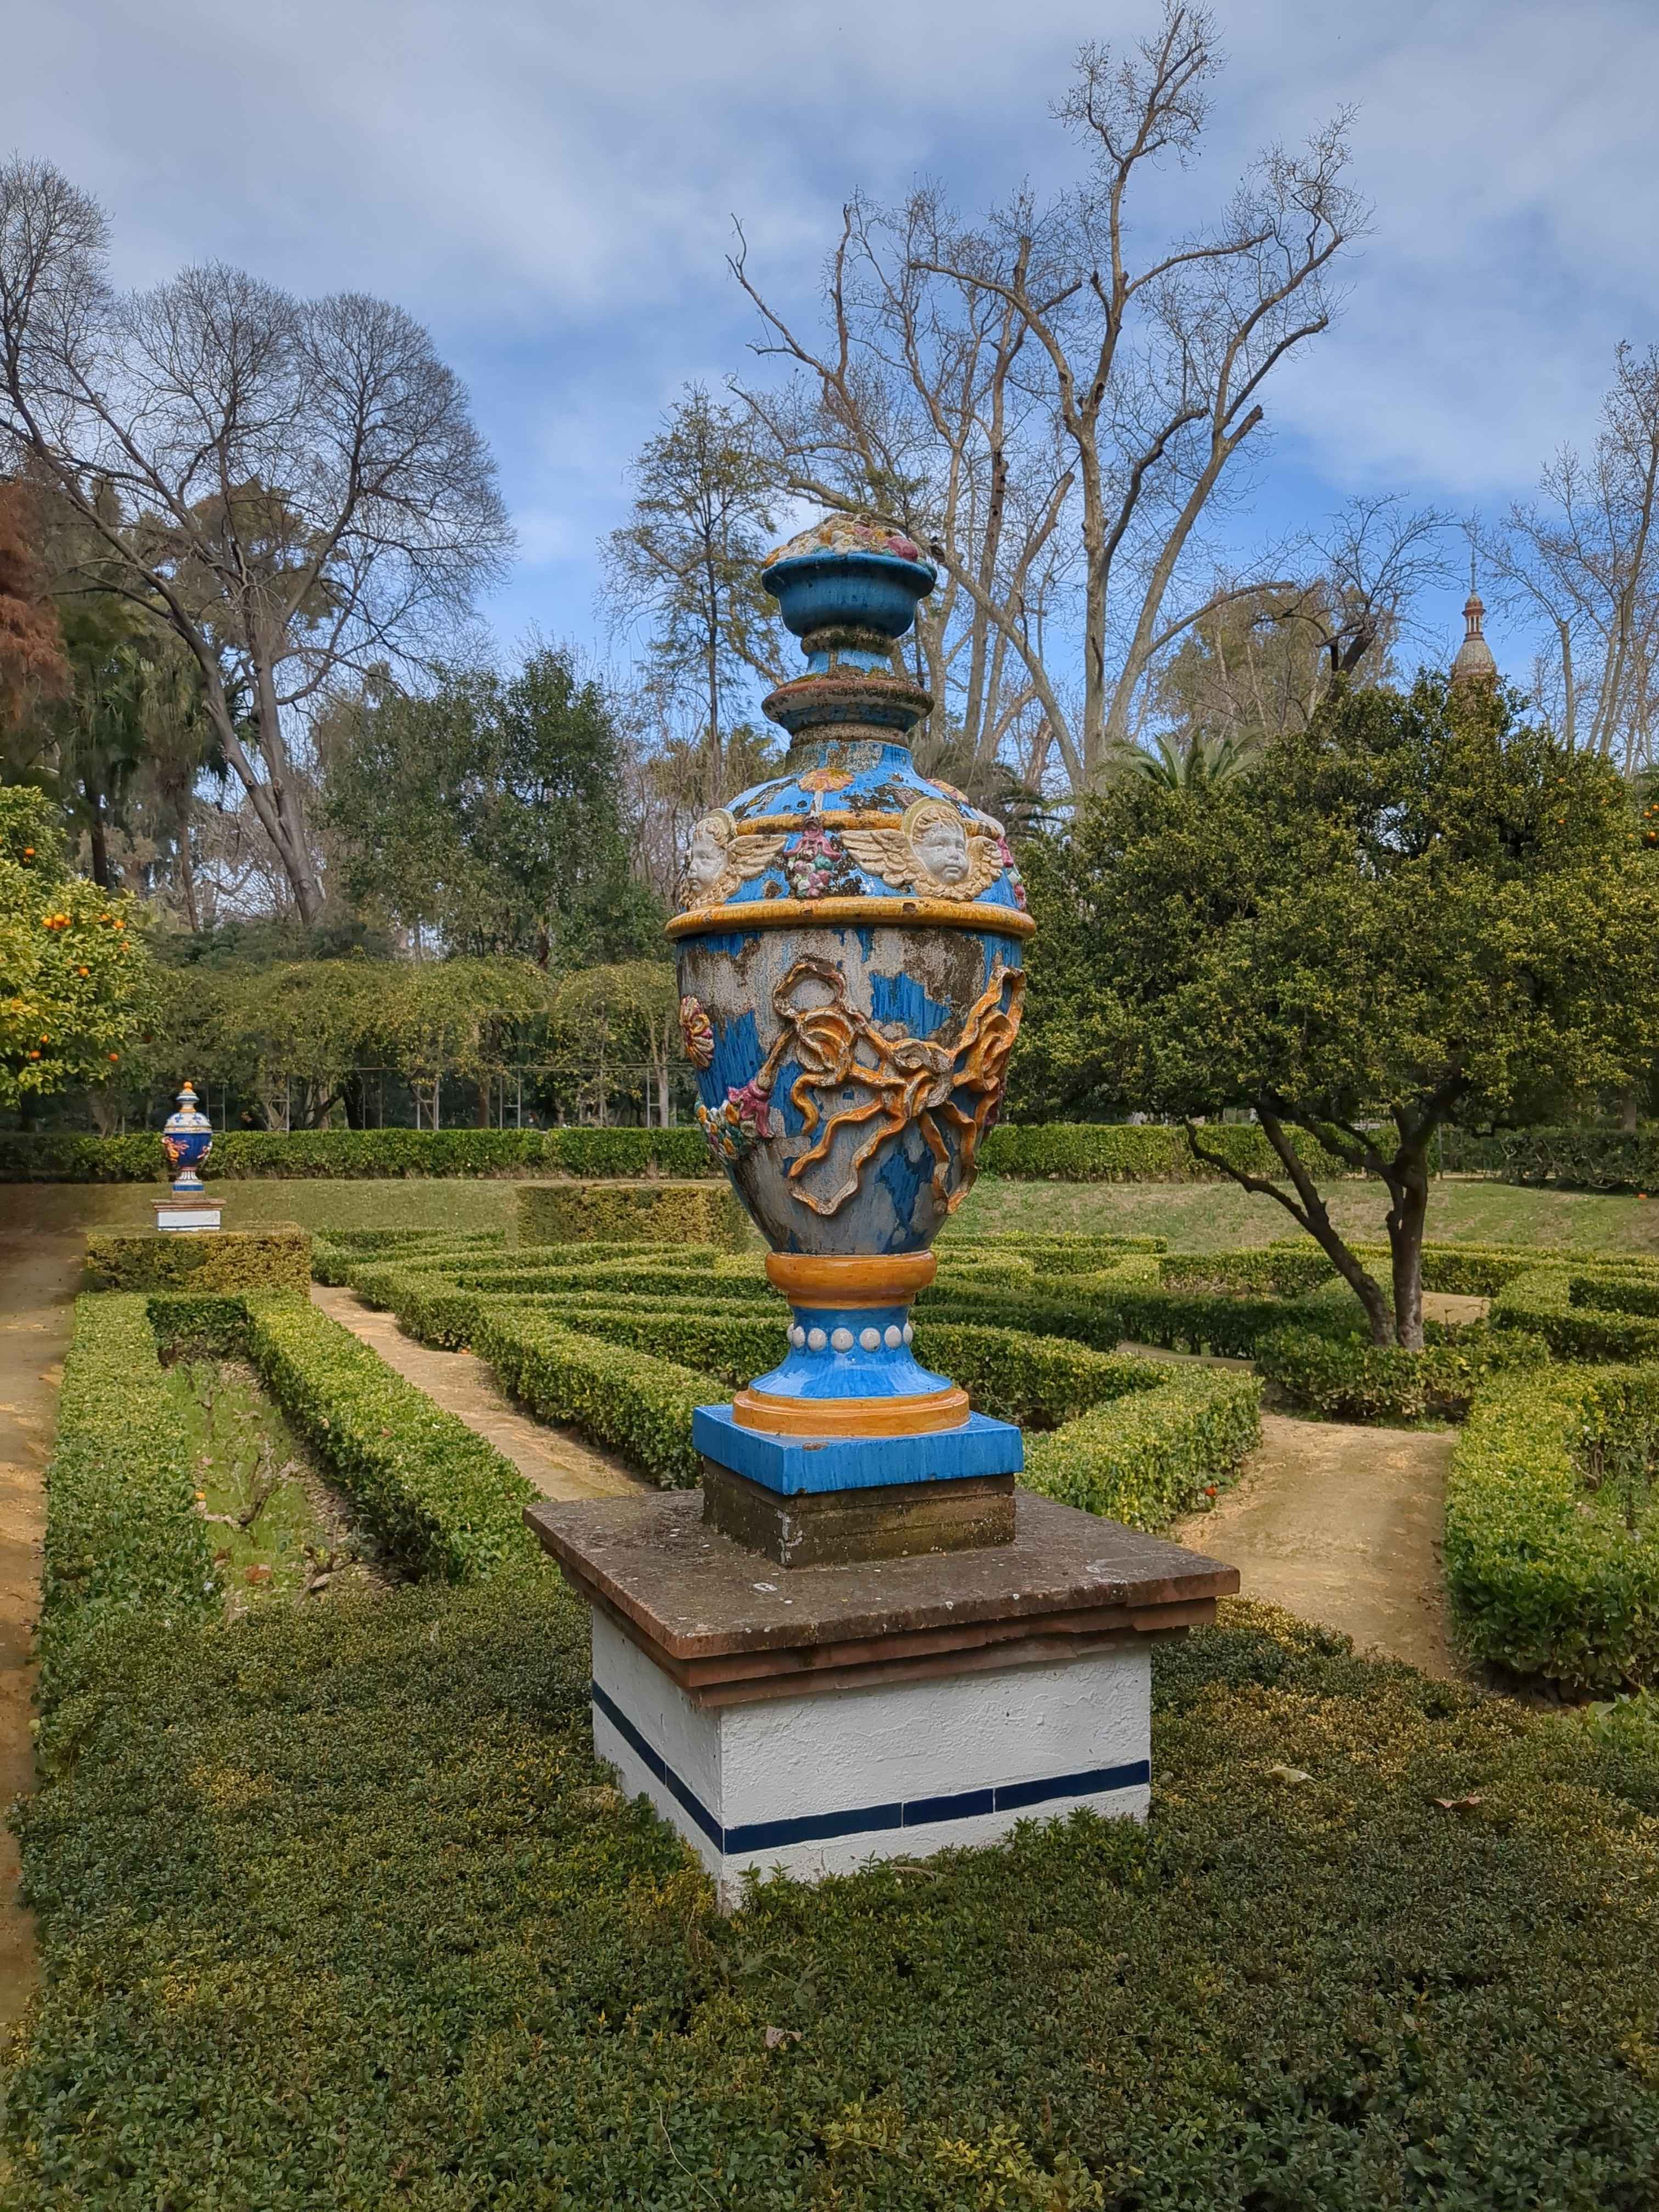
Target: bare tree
x=915, y=406
x=1127, y=388
x=1582, y=561
x=296, y=487
x=687, y=562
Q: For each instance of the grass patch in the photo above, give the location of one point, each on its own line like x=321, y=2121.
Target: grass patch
x=274, y=1530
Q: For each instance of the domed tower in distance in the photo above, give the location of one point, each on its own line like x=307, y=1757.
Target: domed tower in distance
x=1474, y=669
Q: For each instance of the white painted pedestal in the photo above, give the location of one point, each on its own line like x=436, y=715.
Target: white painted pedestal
x=179, y=1217
x=812, y=1718
x=820, y=1785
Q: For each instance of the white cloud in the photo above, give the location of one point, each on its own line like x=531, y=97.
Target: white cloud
x=550, y=188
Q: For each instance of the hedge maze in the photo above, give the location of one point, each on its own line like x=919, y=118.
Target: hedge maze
x=337, y=1907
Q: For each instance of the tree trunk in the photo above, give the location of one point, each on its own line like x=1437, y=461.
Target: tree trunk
x=1627, y=1113
x=1406, y=1218
x=98, y=836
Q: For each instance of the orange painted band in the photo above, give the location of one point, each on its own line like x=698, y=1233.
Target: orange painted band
x=832, y=1279
x=921, y=1416
x=861, y=913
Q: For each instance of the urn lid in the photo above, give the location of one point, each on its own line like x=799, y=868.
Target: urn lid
x=847, y=586
x=189, y=1105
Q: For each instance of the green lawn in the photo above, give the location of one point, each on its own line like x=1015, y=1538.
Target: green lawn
x=1194, y=1217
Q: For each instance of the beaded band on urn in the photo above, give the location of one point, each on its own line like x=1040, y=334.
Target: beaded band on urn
x=850, y=958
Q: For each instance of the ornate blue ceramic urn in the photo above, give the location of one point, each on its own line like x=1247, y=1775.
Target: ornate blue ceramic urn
x=186, y=1139
x=850, y=949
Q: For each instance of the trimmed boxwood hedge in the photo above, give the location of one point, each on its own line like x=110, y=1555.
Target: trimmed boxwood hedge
x=1349, y=1379
x=1067, y=1152
x=337, y=1909
x=1543, y=1304
x=1158, y=1449
x=1137, y=1152
x=442, y=1500
x=123, y=1534
x=277, y=1258
x=1582, y=1159
x=241, y=1154
x=631, y=1402
x=1548, y=1575
x=631, y=1213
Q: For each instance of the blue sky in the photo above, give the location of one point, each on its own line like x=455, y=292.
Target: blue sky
x=551, y=189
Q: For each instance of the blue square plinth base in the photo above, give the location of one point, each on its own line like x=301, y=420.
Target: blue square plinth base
x=792, y=1465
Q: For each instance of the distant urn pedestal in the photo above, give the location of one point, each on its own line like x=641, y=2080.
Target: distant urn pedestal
x=186, y=1140
x=859, y=1640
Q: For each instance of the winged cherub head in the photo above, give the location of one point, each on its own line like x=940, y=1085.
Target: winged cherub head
x=938, y=839
x=705, y=857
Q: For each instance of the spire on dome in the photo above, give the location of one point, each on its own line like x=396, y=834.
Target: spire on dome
x=1474, y=664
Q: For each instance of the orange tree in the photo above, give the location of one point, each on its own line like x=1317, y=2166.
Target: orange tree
x=1416, y=912
x=75, y=975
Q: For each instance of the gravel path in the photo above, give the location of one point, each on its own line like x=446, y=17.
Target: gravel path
x=558, y=1461
x=1341, y=1524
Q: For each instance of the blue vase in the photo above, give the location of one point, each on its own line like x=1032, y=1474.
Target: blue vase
x=850, y=952
x=186, y=1140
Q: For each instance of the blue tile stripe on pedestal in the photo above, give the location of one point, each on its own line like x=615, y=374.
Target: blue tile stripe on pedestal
x=869, y=1820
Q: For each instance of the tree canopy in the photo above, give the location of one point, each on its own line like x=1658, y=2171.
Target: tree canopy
x=486, y=810
x=1418, y=910
x=76, y=983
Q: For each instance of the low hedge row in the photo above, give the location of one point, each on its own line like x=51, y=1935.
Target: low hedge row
x=1541, y=1303
x=123, y=1534
x=1582, y=1159
x=628, y=1370
x=1293, y=1265
x=1104, y=1310
x=1062, y=1151
x=630, y=1402
x=1552, y=1541
x=445, y=1503
x=1352, y=1380
x=276, y=1259
x=1155, y=1451
x=633, y=1212
x=1140, y=1152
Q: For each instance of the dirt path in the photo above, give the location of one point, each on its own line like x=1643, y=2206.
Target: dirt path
x=1342, y=1524
x=39, y=1278
x=558, y=1461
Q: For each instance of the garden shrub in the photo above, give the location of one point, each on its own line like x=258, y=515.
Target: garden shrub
x=239, y=1154
x=123, y=1534
x=1056, y=1151
x=277, y=1258
x=1551, y=1542
x=1280, y=1271
x=1543, y=1304
x=1156, y=1449
x=630, y=1401
x=1582, y=1159
x=444, y=1502
x=337, y=1909
x=1350, y=1379
x=1137, y=1152
x=632, y=1213
x=1105, y=1309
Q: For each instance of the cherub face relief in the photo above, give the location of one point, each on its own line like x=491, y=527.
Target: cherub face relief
x=940, y=845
